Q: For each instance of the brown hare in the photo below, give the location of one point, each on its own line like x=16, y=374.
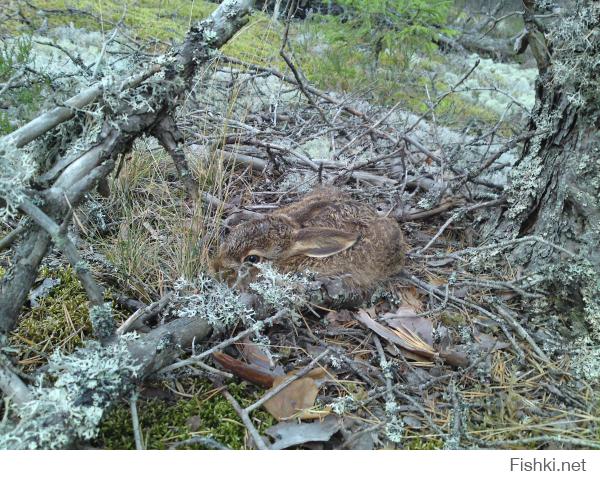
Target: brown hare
x=326, y=232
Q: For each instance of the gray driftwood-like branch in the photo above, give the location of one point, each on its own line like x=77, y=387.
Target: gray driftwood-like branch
x=89, y=381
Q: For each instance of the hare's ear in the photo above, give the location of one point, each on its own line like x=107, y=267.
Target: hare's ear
x=321, y=242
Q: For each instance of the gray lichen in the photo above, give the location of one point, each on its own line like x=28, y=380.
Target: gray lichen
x=587, y=277
x=279, y=290
x=71, y=409
x=17, y=167
x=207, y=298
x=394, y=430
x=346, y=404
x=102, y=320
x=586, y=360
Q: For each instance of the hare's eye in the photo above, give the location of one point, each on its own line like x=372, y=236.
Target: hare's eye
x=252, y=259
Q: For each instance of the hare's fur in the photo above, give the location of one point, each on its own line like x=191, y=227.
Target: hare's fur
x=326, y=232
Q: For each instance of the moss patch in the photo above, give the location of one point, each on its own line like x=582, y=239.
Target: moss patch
x=162, y=19
x=163, y=423
x=424, y=444
x=60, y=320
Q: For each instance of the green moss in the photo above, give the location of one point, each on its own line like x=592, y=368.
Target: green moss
x=162, y=19
x=60, y=320
x=332, y=57
x=258, y=42
x=453, y=319
x=162, y=423
x=424, y=444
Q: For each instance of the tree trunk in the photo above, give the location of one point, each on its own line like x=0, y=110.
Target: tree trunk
x=554, y=188
x=555, y=185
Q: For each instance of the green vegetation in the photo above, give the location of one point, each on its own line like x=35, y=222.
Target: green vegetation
x=401, y=65
x=59, y=321
x=158, y=235
x=398, y=65
x=149, y=19
x=398, y=27
x=207, y=413
x=26, y=98
x=165, y=20
x=420, y=443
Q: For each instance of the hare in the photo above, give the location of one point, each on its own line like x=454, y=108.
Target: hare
x=326, y=232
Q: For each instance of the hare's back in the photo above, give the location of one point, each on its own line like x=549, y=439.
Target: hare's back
x=329, y=207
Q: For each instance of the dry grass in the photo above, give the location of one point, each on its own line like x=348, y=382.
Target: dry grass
x=155, y=233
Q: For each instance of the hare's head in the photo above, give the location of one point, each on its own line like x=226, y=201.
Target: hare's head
x=276, y=238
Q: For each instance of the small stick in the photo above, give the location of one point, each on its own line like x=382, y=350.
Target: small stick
x=500, y=319
x=220, y=346
x=577, y=442
x=143, y=314
x=10, y=238
x=61, y=240
x=11, y=385
x=258, y=440
x=357, y=434
x=137, y=433
x=456, y=215
x=292, y=67
x=384, y=366
x=521, y=331
x=453, y=442
x=508, y=243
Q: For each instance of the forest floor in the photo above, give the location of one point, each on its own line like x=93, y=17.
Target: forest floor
x=463, y=350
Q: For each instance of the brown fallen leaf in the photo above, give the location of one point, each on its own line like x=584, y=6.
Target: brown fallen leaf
x=339, y=318
x=245, y=371
x=489, y=342
x=298, y=397
x=410, y=341
x=406, y=317
x=411, y=298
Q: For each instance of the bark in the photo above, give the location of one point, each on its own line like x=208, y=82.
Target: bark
x=46, y=424
x=554, y=188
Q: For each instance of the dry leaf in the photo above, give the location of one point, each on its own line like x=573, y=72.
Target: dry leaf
x=409, y=341
x=339, y=318
x=260, y=357
x=489, y=342
x=298, y=397
x=411, y=298
x=407, y=318
x=442, y=262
